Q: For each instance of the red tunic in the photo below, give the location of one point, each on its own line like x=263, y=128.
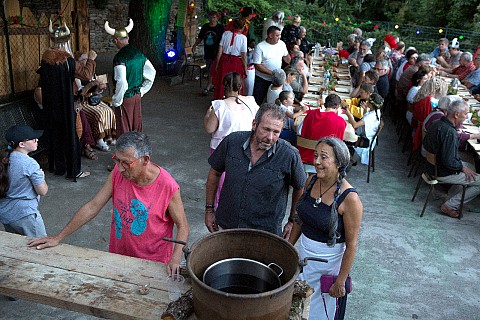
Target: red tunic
x=318, y=125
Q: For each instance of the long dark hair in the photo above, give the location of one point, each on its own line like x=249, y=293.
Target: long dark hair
x=4, y=163
x=342, y=158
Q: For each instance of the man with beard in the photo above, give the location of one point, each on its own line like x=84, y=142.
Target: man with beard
x=259, y=169
x=146, y=205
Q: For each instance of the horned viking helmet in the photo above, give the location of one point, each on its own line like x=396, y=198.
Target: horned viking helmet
x=60, y=34
x=120, y=32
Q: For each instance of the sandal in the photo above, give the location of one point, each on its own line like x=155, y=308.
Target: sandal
x=102, y=146
x=89, y=153
x=82, y=174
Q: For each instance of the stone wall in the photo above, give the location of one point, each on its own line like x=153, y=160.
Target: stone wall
x=116, y=12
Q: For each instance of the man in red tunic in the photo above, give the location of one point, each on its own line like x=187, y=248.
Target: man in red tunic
x=319, y=124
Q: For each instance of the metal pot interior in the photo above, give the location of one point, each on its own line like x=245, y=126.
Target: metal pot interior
x=241, y=276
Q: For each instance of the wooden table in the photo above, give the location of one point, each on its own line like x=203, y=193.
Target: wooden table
x=93, y=282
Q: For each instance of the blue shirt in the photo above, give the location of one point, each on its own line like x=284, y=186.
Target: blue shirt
x=436, y=52
x=21, y=200
x=474, y=77
x=255, y=196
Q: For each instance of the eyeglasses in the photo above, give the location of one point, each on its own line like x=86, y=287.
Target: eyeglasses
x=378, y=69
x=124, y=164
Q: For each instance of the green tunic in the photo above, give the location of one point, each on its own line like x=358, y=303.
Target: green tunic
x=134, y=60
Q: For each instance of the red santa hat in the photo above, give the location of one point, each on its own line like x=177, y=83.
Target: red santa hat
x=390, y=40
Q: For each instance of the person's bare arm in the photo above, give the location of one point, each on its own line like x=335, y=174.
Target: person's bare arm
x=210, y=191
x=296, y=194
x=86, y=213
x=262, y=69
x=210, y=121
x=177, y=213
x=351, y=209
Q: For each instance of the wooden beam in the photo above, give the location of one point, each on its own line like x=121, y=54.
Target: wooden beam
x=82, y=25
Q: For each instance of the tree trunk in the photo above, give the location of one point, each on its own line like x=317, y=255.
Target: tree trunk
x=151, y=23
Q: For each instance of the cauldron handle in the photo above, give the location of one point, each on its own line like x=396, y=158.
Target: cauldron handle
x=186, y=249
x=304, y=262
x=279, y=270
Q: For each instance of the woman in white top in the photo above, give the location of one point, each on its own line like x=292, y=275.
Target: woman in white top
x=231, y=56
x=234, y=113
x=418, y=79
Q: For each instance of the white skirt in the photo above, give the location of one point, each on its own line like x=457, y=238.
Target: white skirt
x=314, y=270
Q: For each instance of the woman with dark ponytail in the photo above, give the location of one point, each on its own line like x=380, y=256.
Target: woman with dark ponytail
x=327, y=223
x=22, y=182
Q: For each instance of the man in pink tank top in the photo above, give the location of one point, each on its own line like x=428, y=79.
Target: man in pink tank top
x=146, y=205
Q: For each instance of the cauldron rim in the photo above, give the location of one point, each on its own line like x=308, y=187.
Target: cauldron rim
x=244, y=296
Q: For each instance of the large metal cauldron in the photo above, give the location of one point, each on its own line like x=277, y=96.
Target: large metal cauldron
x=210, y=303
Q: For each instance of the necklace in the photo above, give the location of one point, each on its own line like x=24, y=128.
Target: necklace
x=319, y=199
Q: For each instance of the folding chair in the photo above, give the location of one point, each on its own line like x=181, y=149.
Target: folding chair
x=432, y=181
x=190, y=62
x=371, y=149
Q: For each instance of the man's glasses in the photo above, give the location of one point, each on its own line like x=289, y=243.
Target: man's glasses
x=124, y=164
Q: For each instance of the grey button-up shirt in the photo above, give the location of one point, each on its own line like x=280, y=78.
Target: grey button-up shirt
x=255, y=196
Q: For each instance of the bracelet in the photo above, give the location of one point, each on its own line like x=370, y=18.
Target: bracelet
x=209, y=206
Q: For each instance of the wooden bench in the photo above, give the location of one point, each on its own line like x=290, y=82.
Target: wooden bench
x=21, y=111
x=93, y=282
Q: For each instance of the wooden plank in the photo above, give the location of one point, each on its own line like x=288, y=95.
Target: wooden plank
x=91, y=262
x=92, y=295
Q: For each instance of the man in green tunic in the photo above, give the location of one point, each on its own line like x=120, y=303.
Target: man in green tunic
x=133, y=76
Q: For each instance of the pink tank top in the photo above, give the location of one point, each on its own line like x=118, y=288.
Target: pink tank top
x=140, y=219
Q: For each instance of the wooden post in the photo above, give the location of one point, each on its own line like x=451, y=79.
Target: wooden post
x=82, y=26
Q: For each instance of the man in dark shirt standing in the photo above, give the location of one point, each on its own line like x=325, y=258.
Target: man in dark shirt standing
x=210, y=34
x=259, y=169
x=442, y=140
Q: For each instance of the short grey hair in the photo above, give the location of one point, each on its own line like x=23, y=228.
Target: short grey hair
x=357, y=31
x=272, y=109
x=456, y=105
x=366, y=43
x=467, y=56
x=302, y=28
x=351, y=37
x=278, y=77
x=444, y=102
x=139, y=141
x=444, y=40
x=278, y=15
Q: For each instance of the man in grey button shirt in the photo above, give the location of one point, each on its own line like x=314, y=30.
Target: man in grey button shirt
x=259, y=169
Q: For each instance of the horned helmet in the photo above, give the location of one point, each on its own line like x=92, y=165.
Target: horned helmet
x=119, y=33
x=60, y=34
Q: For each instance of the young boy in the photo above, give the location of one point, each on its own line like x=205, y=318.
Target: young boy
x=285, y=102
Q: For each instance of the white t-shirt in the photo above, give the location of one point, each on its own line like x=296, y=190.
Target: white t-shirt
x=232, y=120
x=239, y=43
x=270, y=56
x=412, y=93
x=272, y=95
